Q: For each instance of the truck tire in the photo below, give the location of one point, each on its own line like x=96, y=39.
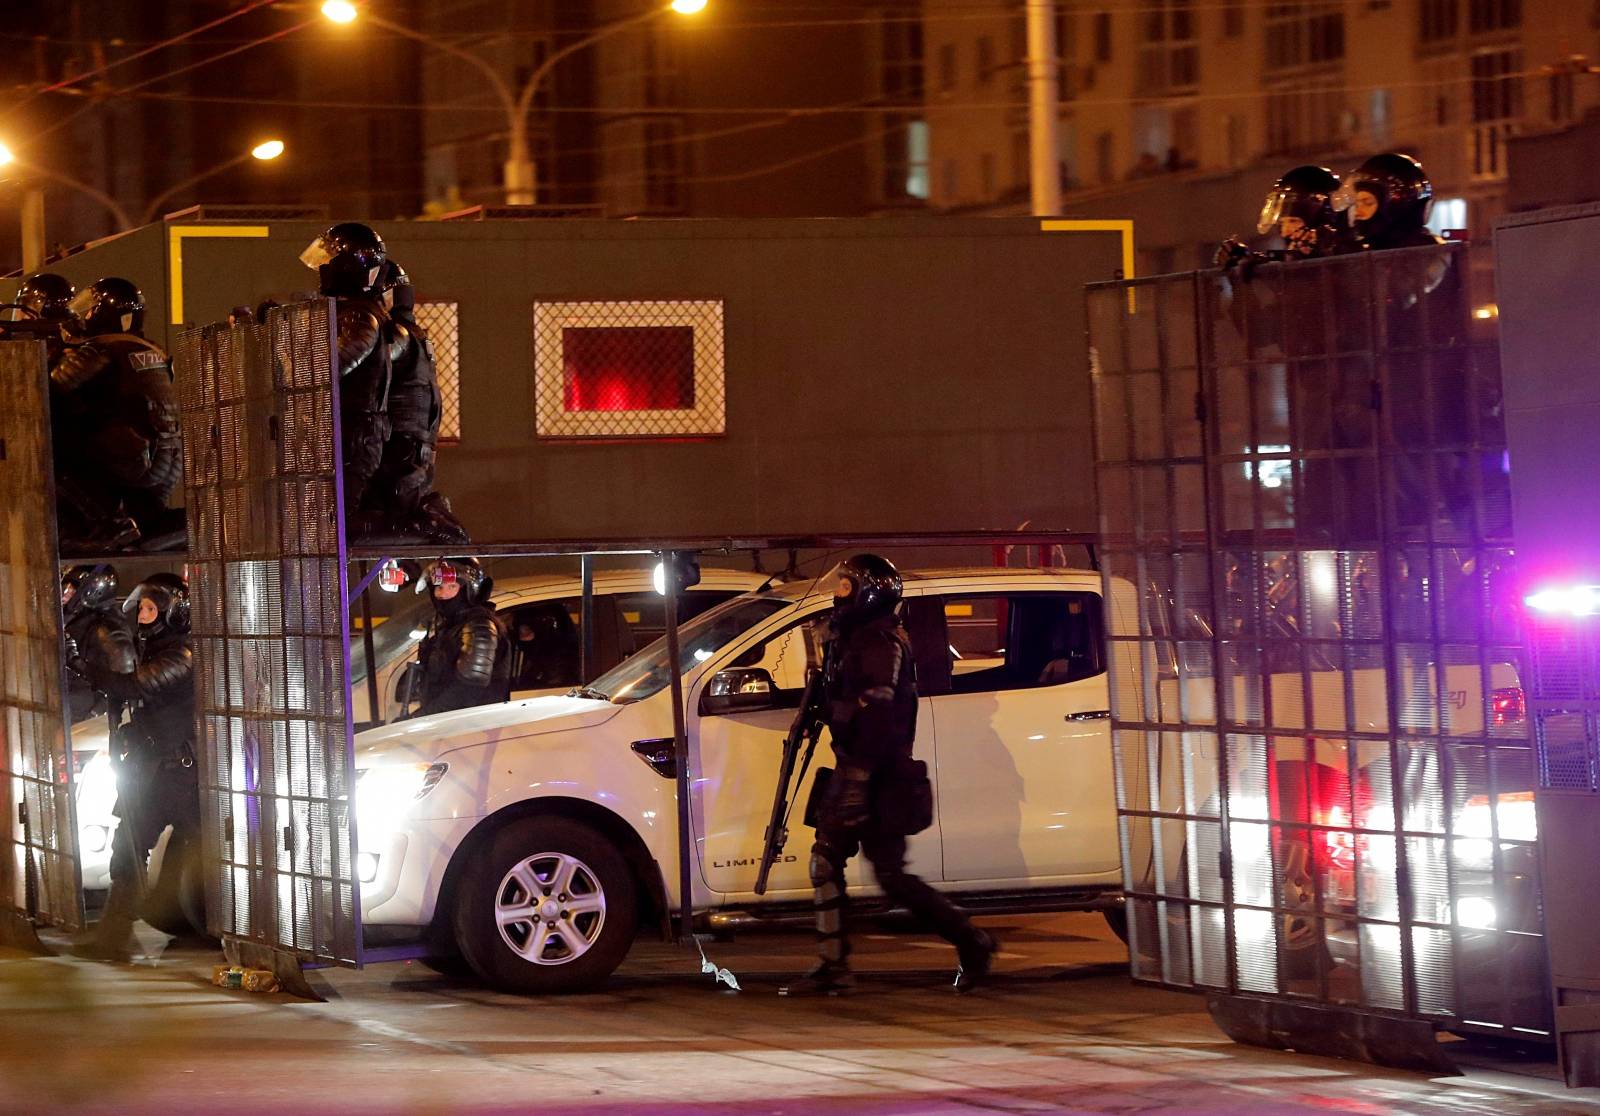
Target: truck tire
x=546, y=905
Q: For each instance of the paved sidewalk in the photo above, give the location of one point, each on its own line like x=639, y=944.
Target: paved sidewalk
x=1061, y=1030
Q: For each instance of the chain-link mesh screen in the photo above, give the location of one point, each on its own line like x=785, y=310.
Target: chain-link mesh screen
x=1324, y=772
x=38, y=854
x=442, y=322
x=629, y=369
x=260, y=443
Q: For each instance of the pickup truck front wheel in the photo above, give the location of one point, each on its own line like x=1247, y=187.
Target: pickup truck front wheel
x=547, y=906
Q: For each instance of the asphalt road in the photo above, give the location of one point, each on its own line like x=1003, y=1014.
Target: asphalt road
x=1061, y=1029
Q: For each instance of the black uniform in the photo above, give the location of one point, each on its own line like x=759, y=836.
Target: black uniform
x=98, y=640
x=466, y=655
x=877, y=794
x=114, y=414
x=159, y=781
x=367, y=347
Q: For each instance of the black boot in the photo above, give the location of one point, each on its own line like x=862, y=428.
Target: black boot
x=825, y=978
x=112, y=937
x=976, y=959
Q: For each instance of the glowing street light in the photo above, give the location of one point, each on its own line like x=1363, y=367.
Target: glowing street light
x=339, y=11
x=688, y=7
x=267, y=151
x=263, y=152
x=6, y=156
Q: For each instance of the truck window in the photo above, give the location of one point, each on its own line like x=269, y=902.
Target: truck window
x=1018, y=641
x=644, y=614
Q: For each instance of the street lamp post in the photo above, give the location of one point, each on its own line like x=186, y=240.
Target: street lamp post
x=1044, y=83
x=33, y=236
x=521, y=186
x=263, y=152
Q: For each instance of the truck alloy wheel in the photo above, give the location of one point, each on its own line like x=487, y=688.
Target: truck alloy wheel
x=545, y=904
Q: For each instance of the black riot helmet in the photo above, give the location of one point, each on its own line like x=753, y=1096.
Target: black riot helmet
x=47, y=295
x=169, y=593
x=87, y=586
x=398, y=294
x=475, y=582
x=110, y=305
x=1404, y=197
x=348, y=258
x=1304, y=192
x=865, y=588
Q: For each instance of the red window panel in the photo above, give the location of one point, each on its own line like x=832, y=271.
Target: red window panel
x=627, y=368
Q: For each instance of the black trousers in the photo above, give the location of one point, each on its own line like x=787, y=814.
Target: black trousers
x=887, y=854
x=152, y=794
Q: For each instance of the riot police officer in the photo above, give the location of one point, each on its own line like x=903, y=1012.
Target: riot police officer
x=159, y=783
x=42, y=311
x=1299, y=208
x=97, y=636
x=115, y=418
x=877, y=794
x=377, y=352
x=1388, y=199
x=466, y=655
x=406, y=499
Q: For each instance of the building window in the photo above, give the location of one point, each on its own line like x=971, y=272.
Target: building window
x=1448, y=213
x=441, y=320
x=646, y=369
x=1496, y=90
x=1304, y=34
x=1438, y=19
x=1102, y=37
x=1379, y=117
x=1169, y=56
x=1561, y=104
x=1232, y=20
x=1300, y=119
x=947, y=67
x=985, y=59
x=1104, y=158
x=905, y=159
x=951, y=182
x=901, y=75
x=1021, y=159
x=986, y=174
x=1494, y=15
x=1238, y=150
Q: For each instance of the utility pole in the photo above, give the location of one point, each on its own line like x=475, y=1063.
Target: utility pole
x=1044, y=84
x=33, y=249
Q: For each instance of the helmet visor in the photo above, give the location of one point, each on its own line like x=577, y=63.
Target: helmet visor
x=1273, y=209
x=317, y=253
x=82, y=303
x=1344, y=198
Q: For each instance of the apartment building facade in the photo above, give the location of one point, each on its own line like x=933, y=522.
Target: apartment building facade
x=1179, y=112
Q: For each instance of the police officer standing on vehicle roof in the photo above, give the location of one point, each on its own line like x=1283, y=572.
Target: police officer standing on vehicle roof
x=115, y=417
x=403, y=488
x=1388, y=199
x=378, y=352
x=160, y=783
x=466, y=655
x=877, y=794
x=1299, y=208
x=97, y=636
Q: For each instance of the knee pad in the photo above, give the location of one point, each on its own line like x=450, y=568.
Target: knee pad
x=823, y=870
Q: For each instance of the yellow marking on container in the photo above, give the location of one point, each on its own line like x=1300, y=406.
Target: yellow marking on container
x=631, y=617
x=176, y=235
x=1122, y=226
x=957, y=610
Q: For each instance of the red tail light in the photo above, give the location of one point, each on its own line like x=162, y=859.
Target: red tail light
x=1340, y=843
x=1507, y=706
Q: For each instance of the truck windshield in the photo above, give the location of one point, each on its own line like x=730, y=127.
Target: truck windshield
x=647, y=672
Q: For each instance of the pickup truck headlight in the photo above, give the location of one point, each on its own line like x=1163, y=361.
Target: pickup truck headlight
x=384, y=794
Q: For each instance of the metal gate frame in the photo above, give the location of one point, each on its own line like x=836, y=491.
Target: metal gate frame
x=40, y=878
x=1327, y=430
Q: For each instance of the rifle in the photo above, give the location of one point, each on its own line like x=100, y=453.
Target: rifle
x=804, y=733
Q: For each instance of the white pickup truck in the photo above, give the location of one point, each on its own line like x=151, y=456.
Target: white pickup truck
x=536, y=837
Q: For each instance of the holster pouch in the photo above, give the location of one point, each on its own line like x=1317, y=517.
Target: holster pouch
x=819, y=787
x=903, y=798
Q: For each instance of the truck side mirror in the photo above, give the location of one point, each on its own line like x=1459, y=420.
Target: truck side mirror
x=739, y=690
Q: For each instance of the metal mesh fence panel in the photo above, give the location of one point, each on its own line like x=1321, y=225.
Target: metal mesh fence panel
x=39, y=874
x=1324, y=767
x=638, y=369
x=443, y=322
x=260, y=439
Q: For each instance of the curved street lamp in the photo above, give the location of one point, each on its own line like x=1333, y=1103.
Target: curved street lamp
x=518, y=176
x=33, y=236
x=263, y=152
